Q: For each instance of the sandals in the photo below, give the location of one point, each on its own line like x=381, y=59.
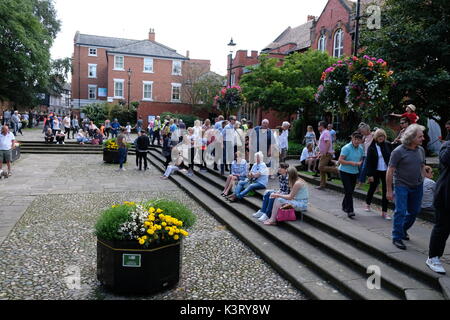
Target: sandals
x=270, y=223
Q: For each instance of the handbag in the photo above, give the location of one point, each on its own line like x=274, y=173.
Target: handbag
x=286, y=215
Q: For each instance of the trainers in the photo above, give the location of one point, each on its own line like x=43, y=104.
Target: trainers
x=435, y=264
x=258, y=214
x=386, y=216
x=399, y=244
x=263, y=218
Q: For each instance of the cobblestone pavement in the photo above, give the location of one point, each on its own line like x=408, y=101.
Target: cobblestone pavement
x=49, y=208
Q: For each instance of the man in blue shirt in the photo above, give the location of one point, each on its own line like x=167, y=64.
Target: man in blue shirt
x=115, y=126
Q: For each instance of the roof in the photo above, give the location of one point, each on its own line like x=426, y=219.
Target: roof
x=300, y=36
x=129, y=46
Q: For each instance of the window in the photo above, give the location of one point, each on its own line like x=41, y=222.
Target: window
x=93, y=52
x=148, y=65
x=119, y=63
x=118, y=88
x=176, y=92
x=233, y=79
x=147, y=89
x=338, y=43
x=322, y=43
x=176, y=67
x=92, y=71
x=92, y=92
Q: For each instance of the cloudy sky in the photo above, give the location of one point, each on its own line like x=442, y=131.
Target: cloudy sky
x=204, y=27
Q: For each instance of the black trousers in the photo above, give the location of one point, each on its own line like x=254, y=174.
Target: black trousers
x=440, y=233
x=349, y=182
x=378, y=176
x=139, y=157
x=157, y=137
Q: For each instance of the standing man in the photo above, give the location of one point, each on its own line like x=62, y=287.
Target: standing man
x=142, y=144
x=229, y=142
x=261, y=140
x=325, y=154
x=283, y=141
x=7, y=143
x=139, y=124
x=15, y=120
x=115, y=126
x=441, y=229
x=156, y=131
x=66, y=123
x=7, y=118
x=332, y=133
x=406, y=171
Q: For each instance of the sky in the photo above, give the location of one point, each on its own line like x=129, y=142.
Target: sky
x=204, y=27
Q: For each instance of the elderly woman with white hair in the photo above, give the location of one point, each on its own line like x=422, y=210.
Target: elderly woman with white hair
x=283, y=141
x=257, y=178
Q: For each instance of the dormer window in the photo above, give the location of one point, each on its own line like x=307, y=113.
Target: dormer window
x=92, y=52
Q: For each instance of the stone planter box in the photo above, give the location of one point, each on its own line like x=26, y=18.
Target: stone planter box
x=126, y=267
x=15, y=154
x=111, y=156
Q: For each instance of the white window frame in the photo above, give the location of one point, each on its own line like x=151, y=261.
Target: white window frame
x=92, y=86
x=122, y=81
x=173, y=67
x=92, y=54
x=146, y=83
x=175, y=85
x=322, y=45
x=338, y=48
x=151, y=64
x=115, y=63
x=90, y=65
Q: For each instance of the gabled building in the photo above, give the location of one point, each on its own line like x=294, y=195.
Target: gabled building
x=108, y=69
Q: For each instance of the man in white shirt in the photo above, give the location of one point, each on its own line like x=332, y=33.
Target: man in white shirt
x=7, y=143
x=283, y=141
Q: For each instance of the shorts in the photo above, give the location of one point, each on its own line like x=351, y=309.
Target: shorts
x=300, y=205
x=5, y=156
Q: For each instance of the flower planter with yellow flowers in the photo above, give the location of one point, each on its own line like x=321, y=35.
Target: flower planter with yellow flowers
x=138, y=249
x=111, y=151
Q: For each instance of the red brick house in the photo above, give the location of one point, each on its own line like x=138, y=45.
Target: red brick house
x=107, y=69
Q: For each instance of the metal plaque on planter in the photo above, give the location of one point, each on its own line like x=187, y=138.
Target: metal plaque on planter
x=131, y=260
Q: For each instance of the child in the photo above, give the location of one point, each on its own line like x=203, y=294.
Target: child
x=410, y=114
x=428, y=191
x=128, y=131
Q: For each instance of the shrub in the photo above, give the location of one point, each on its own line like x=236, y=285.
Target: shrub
x=295, y=148
x=188, y=119
x=174, y=209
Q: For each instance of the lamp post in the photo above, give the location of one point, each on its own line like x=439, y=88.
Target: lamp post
x=129, y=83
x=357, y=18
x=231, y=45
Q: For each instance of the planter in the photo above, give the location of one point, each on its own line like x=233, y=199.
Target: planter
x=111, y=156
x=125, y=267
x=15, y=154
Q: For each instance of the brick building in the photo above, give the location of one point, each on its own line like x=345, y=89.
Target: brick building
x=107, y=69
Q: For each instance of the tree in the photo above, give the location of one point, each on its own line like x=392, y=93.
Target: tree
x=27, y=31
x=288, y=88
x=60, y=68
x=415, y=39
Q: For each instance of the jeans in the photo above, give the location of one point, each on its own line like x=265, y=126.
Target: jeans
x=122, y=156
x=363, y=171
x=349, y=182
x=268, y=203
x=440, y=233
x=407, y=205
x=248, y=187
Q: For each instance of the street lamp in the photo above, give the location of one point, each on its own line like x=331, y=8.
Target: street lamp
x=231, y=45
x=129, y=83
x=357, y=18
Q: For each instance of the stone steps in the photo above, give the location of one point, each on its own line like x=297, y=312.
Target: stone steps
x=338, y=255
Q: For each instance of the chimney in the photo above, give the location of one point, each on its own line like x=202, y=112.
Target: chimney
x=187, y=53
x=151, y=34
x=310, y=18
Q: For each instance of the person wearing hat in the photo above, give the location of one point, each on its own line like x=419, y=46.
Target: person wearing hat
x=410, y=114
x=244, y=125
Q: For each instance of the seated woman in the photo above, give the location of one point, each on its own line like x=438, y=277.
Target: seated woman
x=297, y=198
x=98, y=137
x=177, y=165
x=257, y=178
x=308, y=157
x=60, y=137
x=81, y=138
x=239, y=170
x=49, y=136
x=266, y=210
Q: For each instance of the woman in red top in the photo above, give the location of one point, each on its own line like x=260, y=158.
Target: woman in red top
x=410, y=114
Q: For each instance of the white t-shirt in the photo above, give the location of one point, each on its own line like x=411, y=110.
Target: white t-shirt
x=6, y=141
x=283, y=140
x=381, y=163
x=306, y=154
x=128, y=128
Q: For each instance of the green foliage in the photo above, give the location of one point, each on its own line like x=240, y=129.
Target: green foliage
x=27, y=31
x=174, y=209
x=295, y=148
x=414, y=38
x=188, y=119
x=230, y=99
x=296, y=133
x=60, y=68
x=339, y=144
x=109, y=222
x=99, y=112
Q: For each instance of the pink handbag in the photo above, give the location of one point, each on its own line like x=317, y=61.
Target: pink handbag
x=286, y=215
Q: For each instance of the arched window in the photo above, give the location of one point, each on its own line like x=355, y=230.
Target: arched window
x=322, y=43
x=338, y=49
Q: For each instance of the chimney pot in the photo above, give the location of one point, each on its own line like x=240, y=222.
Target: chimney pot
x=310, y=17
x=151, y=34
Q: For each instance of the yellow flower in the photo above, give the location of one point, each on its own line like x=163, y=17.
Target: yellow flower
x=141, y=241
x=159, y=210
x=176, y=237
x=150, y=231
x=115, y=206
x=151, y=210
x=145, y=237
x=146, y=223
x=164, y=224
x=171, y=233
x=161, y=216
